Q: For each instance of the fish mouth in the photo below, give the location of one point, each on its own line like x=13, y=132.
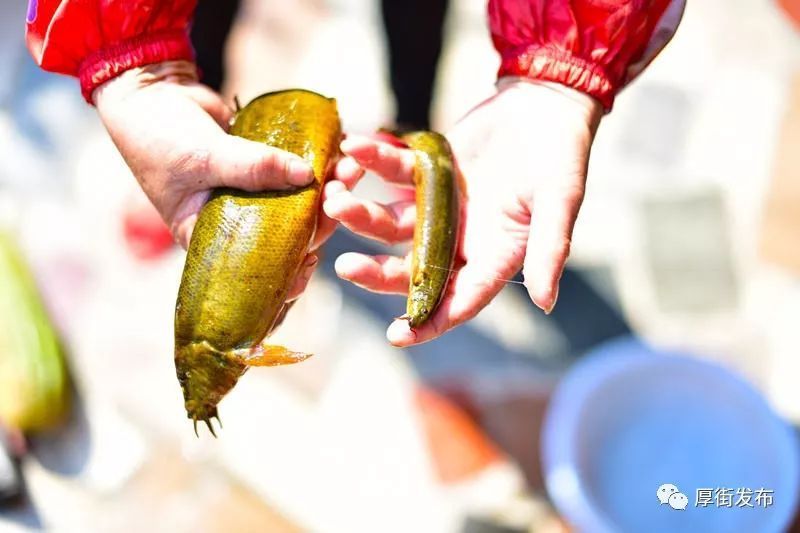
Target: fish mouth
x=207, y=421
x=202, y=412
x=418, y=310
x=417, y=319
x=206, y=375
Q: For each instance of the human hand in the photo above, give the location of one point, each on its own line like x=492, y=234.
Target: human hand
x=523, y=154
x=172, y=132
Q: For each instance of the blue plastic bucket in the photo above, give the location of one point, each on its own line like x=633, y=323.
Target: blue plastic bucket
x=627, y=420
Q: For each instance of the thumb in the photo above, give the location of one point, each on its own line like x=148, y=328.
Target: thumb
x=244, y=164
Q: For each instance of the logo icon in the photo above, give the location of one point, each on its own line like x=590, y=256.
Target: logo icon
x=678, y=501
x=665, y=491
x=669, y=494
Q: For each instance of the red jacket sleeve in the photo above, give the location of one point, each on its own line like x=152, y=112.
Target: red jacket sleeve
x=96, y=40
x=594, y=46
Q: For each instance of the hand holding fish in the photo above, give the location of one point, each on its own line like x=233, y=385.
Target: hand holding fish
x=523, y=154
x=172, y=132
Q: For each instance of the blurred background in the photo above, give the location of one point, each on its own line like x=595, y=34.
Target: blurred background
x=689, y=239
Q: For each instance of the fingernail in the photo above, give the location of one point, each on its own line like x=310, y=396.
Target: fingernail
x=300, y=173
x=311, y=260
x=555, y=299
x=399, y=334
x=340, y=266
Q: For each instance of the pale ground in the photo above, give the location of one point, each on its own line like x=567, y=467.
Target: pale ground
x=673, y=210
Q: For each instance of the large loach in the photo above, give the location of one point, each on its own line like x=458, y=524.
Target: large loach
x=245, y=252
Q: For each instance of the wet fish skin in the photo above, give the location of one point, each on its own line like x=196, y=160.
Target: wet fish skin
x=437, y=224
x=245, y=252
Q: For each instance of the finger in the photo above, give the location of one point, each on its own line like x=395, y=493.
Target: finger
x=390, y=223
x=348, y=171
x=301, y=281
x=552, y=221
x=489, y=257
x=326, y=225
x=243, y=164
x=381, y=273
x=183, y=230
x=393, y=164
x=212, y=103
x=185, y=217
x=469, y=291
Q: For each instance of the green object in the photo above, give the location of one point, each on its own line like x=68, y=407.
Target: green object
x=245, y=252
x=34, y=380
x=436, y=229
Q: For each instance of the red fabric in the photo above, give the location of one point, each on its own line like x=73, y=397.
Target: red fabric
x=585, y=44
x=97, y=40
x=590, y=45
x=792, y=10
x=147, y=236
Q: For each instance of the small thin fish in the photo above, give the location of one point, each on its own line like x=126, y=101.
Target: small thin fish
x=437, y=225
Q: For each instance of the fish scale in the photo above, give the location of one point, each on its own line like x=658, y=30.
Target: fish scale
x=245, y=252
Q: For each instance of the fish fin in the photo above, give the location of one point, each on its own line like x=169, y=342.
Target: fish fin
x=271, y=355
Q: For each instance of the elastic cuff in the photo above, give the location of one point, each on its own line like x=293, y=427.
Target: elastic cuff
x=108, y=63
x=556, y=65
